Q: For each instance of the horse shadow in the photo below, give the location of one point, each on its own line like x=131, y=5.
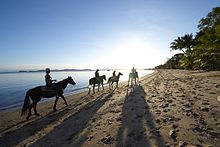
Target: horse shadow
x=12, y=138
x=73, y=125
x=137, y=128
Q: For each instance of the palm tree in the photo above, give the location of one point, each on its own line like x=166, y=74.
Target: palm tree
x=185, y=44
x=177, y=44
x=203, y=51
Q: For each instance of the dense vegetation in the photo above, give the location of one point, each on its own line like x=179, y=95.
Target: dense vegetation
x=201, y=51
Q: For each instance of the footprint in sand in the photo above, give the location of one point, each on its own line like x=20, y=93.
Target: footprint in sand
x=204, y=109
x=107, y=140
x=119, y=119
x=158, y=112
x=218, y=98
x=173, y=134
x=212, y=92
x=89, y=138
x=205, y=103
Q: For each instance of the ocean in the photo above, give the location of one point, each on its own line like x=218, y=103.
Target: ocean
x=13, y=86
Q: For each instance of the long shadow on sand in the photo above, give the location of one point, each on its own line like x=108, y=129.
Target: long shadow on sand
x=30, y=128
x=137, y=128
x=63, y=134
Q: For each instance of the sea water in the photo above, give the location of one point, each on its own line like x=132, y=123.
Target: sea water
x=13, y=86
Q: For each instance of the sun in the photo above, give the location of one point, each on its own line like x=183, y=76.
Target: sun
x=131, y=52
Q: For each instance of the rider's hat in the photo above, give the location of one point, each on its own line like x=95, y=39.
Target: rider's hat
x=47, y=70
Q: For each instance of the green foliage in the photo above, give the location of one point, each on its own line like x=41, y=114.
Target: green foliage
x=185, y=44
x=172, y=63
x=186, y=62
x=211, y=20
x=207, y=49
x=201, y=52
x=177, y=44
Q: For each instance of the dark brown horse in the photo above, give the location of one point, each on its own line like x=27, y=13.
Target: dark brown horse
x=42, y=91
x=94, y=81
x=113, y=79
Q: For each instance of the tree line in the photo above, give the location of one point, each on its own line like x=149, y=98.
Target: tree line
x=201, y=51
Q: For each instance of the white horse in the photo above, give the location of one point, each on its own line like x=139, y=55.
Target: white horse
x=133, y=77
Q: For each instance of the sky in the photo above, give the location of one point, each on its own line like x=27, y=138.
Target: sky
x=35, y=34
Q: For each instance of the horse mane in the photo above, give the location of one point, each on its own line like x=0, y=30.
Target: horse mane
x=103, y=76
x=62, y=81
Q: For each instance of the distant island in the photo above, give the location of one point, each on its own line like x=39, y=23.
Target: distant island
x=56, y=70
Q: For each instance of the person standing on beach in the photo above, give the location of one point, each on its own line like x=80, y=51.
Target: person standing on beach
x=48, y=78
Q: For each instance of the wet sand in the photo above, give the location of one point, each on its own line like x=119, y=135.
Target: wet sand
x=167, y=108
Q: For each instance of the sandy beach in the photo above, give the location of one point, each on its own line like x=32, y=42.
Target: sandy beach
x=166, y=108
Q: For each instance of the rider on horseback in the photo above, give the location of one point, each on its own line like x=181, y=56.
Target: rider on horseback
x=97, y=75
x=48, y=78
x=113, y=74
x=133, y=75
x=133, y=70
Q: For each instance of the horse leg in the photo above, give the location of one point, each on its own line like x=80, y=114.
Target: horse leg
x=29, y=112
x=110, y=86
x=55, y=104
x=89, y=89
x=64, y=100
x=128, y=80
x=93, y=88
x=103, y=87
x=35, y=110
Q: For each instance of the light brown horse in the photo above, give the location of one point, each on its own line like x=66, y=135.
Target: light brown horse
x=113, y=79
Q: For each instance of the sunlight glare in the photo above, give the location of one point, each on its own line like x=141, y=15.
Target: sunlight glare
x=132, y=52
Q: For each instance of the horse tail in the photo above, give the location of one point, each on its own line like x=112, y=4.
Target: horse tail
x=26, y=103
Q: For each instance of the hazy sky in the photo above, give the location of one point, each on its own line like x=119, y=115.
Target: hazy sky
x=36, y=34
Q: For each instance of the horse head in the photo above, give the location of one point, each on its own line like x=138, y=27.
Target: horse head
x=120, y=74
x=70, y=80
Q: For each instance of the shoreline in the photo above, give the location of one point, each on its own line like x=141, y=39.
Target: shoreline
x=17, y=98
x=50, y=101
x=20, y=104
x=73, y=92
x=167, y=108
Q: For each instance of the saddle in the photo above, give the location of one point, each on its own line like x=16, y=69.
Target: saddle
x=98, y=79
x=46, y=89
x=134, y=74
x=114, y=78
